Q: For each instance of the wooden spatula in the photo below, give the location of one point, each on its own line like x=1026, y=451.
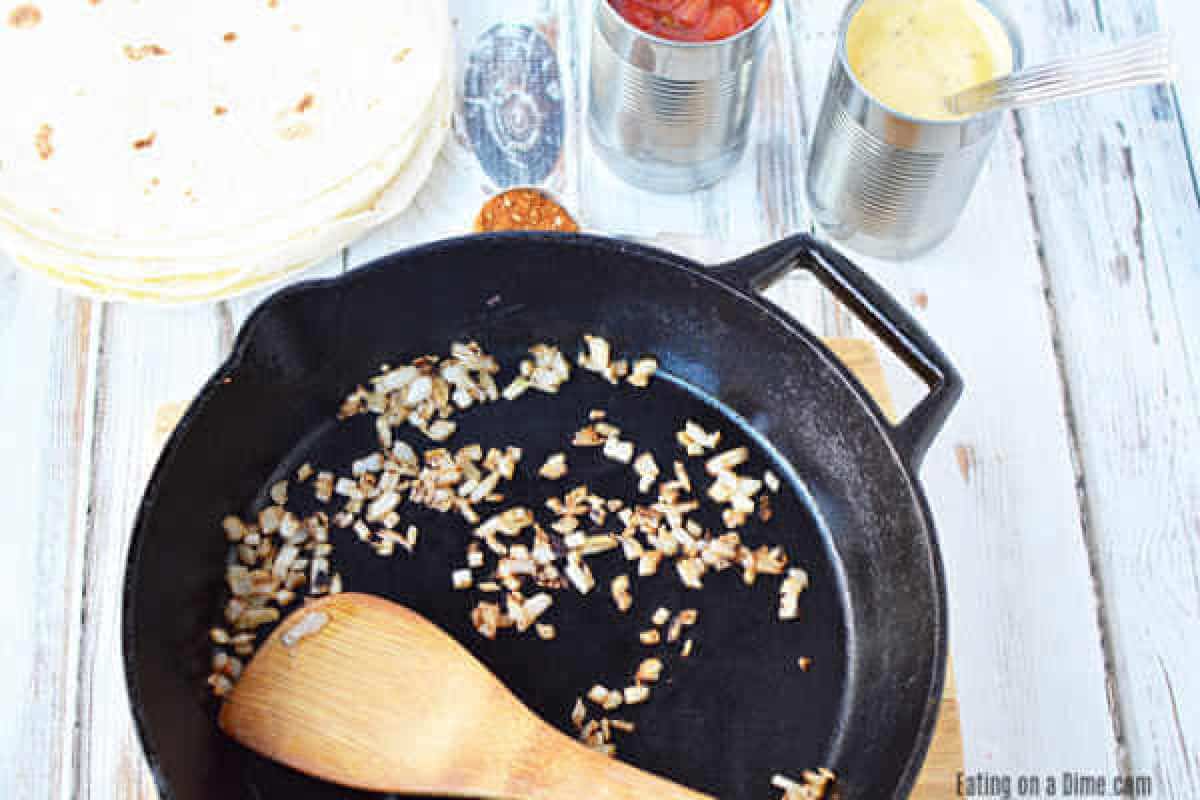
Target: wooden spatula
x=362, y=692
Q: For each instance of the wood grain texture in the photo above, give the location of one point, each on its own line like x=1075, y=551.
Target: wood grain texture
x=148, y=355
x=182, y=347
x=297, y=704
x=1182, y=19
x=939, y=778
x=1125, y=289
x=48, y=345
x=1001, y=478
x=1091, y=205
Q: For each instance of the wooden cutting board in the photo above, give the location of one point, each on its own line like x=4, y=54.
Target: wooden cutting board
x=945, y=760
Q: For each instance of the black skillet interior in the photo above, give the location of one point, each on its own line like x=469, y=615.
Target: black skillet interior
x=725, y=720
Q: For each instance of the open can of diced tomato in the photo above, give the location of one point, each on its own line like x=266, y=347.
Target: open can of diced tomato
x=672, y=87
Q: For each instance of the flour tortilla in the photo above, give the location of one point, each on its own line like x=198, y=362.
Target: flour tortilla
x=322, y=99
x=241, y=259
x=262, y=270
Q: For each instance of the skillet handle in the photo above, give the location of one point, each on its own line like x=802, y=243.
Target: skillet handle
x=880, y=312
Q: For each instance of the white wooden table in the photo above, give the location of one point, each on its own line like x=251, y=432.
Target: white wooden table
x=1066, y=487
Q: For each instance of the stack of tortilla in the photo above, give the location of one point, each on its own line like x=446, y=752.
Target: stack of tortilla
x=176, y=151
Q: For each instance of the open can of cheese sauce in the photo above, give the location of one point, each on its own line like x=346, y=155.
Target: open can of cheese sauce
x=666, y=115
x=883, y=182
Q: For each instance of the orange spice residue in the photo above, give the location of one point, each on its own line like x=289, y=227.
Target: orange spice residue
x=26, y=16
x=41, y=141
x=143, y=51
x=523, y=210
x=298, y=130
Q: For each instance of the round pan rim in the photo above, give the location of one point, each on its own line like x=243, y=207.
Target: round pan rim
x=618, y=247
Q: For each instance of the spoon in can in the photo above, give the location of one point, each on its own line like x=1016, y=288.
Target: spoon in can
x=1141, y=62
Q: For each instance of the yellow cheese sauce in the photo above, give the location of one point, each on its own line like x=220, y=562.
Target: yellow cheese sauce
x=910, y=54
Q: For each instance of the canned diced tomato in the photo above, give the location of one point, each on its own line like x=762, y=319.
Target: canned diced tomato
x=692, y=14
x=753, y=9
x=723, y=23
x=692, y=20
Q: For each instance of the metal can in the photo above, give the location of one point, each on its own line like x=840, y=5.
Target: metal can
x=671, y=116
x=887, y=184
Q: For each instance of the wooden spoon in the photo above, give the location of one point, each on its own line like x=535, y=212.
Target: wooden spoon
x=362, y=692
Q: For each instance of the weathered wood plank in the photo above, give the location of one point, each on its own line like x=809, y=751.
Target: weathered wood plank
x=48, y=345
x=148, y=356
x=1182, y=19
x=141, y=381
x=1120, y=229
x=1000, y=479
x=1001, y=482
x=134, y=384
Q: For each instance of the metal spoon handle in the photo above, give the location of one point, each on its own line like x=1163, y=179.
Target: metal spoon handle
x=1145, y=60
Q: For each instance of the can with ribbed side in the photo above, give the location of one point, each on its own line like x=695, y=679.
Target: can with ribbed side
x=885, y=183
x=667, y=115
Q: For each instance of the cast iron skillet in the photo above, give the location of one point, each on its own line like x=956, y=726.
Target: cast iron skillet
x=726, y=719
